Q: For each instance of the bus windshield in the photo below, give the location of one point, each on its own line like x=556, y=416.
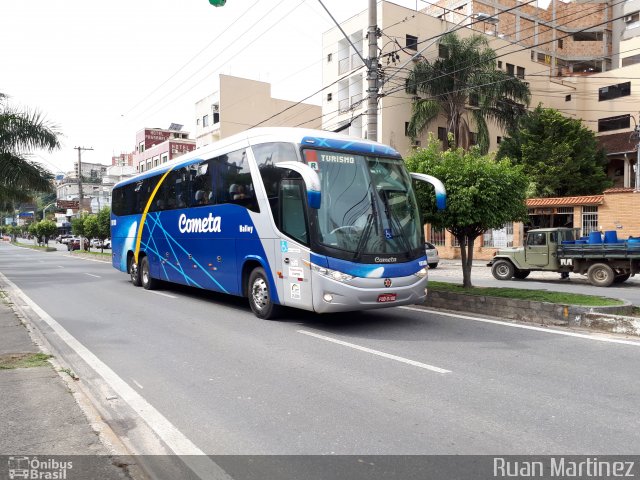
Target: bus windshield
x=368, y=205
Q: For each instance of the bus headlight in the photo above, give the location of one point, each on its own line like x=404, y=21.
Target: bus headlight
x=422, y=273
x=332, y=274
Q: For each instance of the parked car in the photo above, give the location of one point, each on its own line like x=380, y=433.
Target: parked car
x=63, y=238
x=74, y=244
x=432, y=254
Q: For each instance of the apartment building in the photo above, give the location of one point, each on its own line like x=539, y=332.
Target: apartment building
x=240, y=103
x=155, y=146
x=405, y=34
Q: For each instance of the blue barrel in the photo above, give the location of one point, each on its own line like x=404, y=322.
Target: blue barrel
x=595, y=237
x=610, y=236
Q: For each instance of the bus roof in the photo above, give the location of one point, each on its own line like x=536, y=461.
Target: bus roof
x=254, y=136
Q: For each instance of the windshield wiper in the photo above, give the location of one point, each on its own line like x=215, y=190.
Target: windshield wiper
x=391, y=217
x=366, y=232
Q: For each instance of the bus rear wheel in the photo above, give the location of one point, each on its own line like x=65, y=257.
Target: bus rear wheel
x=148, y=282
x=134, y=272
x=260, y=298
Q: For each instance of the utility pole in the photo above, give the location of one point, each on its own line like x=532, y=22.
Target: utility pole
x=80, y=149
x=372, y=66
x=372, y=73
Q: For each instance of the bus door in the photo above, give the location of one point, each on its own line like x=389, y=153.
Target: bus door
x=295, y=275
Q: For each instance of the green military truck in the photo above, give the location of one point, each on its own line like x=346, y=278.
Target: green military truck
x=560, y=250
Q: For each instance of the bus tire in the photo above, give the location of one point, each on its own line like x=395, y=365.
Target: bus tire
x=601, y=275
x=134, y=272
x=147, y=281
x=502, y=270
x=259, y=294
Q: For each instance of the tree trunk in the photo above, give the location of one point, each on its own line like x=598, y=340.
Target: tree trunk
x=466, y=255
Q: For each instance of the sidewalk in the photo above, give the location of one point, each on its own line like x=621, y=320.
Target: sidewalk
x=40, y=415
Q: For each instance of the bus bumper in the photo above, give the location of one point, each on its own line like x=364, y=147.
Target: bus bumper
x=332, y=296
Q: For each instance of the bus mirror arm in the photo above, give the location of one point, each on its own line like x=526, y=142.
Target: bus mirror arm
x=441, y=193
x=311, y=180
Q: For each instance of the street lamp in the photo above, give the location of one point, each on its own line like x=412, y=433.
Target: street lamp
x=44, y=210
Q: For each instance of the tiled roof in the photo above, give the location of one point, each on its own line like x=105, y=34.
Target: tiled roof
x=617, y=143
x=565, y=201
x=619, y=190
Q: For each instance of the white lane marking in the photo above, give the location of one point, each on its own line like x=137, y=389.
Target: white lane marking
x=527, y=327
x=137, y=384
x=60, y=266
x=163, y=294
x=192, y=456
x=376, y=352
x=92, y=275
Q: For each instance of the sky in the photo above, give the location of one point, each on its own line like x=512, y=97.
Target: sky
x=101, y=71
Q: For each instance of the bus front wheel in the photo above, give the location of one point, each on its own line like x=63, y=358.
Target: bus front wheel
x=260, y=298
x=134, y=272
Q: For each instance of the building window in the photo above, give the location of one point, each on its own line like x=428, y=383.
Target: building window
x=567, y=98
x=498, y=140
x=412, y=42
x=406, y=129
x=500, y=63
x=197, y=121
x=560, y=43
x=614, y=91
x=511, y=69
x=499, y=237
x=141, y=147
x=520, y=73
x=216, y=118
x=587, y=36
x=165, y=158
x=205, y=121
x=436, y=236
x=632, y=60
x=614, y=123
x=473, y=138
x=329, y=97
x=473, y=99
x=442, y=134
x=589, y=219
x=329, y=57
x=632, y=18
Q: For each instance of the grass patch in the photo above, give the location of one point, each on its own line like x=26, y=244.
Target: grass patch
x=23, y=360
x=523, y=294
x=106, y=255
x=35, y=247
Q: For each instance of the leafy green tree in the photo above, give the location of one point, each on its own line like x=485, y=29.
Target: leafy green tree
x=77, y=226
x=465, y=87
x=559, y=154
x=48, y=228
x=20, y=132
x=34, y=230
x=104, y=222
x=91, y=227
x=482, y=194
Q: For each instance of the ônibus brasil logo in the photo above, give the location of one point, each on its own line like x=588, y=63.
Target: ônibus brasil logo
x=34, y=468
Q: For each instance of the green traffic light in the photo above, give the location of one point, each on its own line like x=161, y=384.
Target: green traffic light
x=218, y=3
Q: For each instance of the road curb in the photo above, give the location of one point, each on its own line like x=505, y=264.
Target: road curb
x=612, y=319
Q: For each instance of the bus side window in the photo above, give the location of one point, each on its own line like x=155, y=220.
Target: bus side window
x=292, y=209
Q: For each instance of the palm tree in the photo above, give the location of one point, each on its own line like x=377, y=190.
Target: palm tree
x=20, y=132
x=465, y=86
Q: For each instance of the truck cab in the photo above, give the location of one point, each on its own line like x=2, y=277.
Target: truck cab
x=539, y=253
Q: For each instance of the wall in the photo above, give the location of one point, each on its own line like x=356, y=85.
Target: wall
x=620, y=212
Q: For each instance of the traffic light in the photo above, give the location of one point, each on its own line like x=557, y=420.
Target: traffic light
x=218, y=3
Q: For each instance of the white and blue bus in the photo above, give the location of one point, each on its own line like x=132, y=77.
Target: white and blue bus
x=284, y=216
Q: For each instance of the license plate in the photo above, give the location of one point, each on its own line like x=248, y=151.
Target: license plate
x=387, y=297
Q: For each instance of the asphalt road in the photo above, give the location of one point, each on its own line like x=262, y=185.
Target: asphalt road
x=395, y=381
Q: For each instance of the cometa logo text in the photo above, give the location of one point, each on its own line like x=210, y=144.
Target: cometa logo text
x=199, y=225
